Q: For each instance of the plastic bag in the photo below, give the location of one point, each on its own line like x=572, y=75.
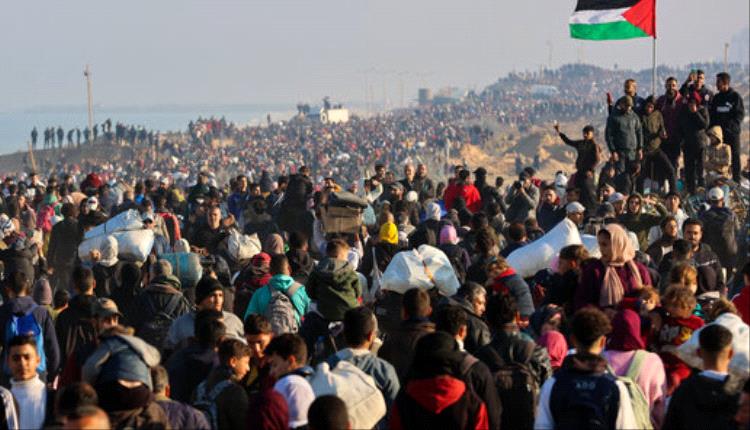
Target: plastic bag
x=128, y=220
x=242, y=246
x=538, y=255
x=133, y=245
x=186, y=266
x=740, y=364
x=426, y=267
x=591, y=245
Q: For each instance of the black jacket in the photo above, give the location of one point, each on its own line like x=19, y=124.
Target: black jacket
x=588, y=153
x=478, y=333
x=727, y=111
x=75, y=325
x=63, y=244
x=398, y=348
x=512, y=343
x=479, y=378
x=701, y=402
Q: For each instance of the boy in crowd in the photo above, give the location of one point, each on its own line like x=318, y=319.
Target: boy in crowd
x=32, y=397
x=706, y=400
x=287, y=355
x=583, y=388
x=221, y=395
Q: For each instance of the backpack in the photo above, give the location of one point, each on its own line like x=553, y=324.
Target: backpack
x=280, y=310
x=26, y=324
x=517, y=387
x=638, y=401
x=205, y=401
x=719, y=233
x=584, y=400
x=155, y=330
x=364, y=401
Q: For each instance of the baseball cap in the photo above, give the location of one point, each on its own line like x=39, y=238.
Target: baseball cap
x=105, y=308
x=574, y=207
x=616, y=197
x=715, y=194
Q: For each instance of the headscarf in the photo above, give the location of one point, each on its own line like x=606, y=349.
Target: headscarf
x=612, y=290
x=274, y=244
x=109, y=252
x=389, y=233
x=260, y=266
x=433, y=211
x=626, y=332
x=556, y=345
x=448, y=235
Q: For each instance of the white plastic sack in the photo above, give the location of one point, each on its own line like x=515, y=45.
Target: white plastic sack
x=407, y=270
x=128, y=220
x=133, y=245
x=740, y=364
x=242, y=246
x=364, y=401
x=538, y=255
x=591, y=245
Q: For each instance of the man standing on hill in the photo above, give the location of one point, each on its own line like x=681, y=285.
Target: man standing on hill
x=727, y=111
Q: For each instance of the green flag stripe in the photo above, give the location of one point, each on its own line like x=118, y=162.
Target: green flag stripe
x=606, y=31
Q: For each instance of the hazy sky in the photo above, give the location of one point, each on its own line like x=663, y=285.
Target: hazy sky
x=280, y=51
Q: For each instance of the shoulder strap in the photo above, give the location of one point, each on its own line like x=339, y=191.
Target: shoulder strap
x=636, y=364
x=467, y=363
x=293, y=289
x=172, y=305
x=217, y=389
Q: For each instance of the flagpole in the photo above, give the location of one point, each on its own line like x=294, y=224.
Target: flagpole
x=653, y=64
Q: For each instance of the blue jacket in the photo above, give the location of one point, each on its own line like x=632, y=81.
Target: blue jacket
x=261, y=297
x=382, y=372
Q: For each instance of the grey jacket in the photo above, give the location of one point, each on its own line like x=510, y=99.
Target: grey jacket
x=624, y=133
x=131, y=358
x=521, y=205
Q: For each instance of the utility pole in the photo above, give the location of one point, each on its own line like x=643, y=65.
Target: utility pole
x=90, y=96
x=726, y=57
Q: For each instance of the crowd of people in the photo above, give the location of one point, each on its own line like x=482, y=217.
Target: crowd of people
x=264, y=302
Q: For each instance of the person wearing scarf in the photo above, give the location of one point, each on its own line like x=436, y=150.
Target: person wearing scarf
x=556, y=345
x=457, y=254
x=106, y=267
x=625, y=345
x=274, y=244
x=254, y=277
x=614, y=276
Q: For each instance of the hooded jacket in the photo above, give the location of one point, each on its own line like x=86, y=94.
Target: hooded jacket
x=22, y=305
x=75, y=325
x=335, y=287
x=157, y=296
x=653, y=126
x=727, y=111
x=702, y=402
x=512, y=283
x=439, y=402
x=398, y=347
x=640, y=223
x=121, y=356
x=262, y=297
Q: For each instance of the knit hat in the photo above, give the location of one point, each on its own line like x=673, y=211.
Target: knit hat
x=389, y=233
x=42, y=294
x=436, y=354
x=448, y=235
x=206, y=286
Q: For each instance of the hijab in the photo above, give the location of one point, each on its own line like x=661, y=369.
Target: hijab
x=612, y=291
x=448, y=235
x=274, y=244
x=626, y=332
x=389, y=233
x=556, y=345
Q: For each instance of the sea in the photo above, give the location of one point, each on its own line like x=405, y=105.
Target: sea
x=15, y=127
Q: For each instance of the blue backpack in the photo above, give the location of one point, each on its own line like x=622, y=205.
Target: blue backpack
x=26, y=325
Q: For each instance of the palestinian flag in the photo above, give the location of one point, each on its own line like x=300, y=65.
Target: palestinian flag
x=613, y=19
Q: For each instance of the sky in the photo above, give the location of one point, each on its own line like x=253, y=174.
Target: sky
x=182, y=52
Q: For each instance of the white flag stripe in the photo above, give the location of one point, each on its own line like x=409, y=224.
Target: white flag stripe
x=597, y=16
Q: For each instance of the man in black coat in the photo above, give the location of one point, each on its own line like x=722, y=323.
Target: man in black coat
x=63, y=246
x=727, y=111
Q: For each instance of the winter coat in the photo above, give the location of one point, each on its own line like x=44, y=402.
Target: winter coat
x=75, y=325
x=187, y=367
x=262, y=297
x=63, y=244
x=624, y=133
x=509, y=282
x=157, y=296
x=183, y=328
x=693, y=126
x=468, y=192
x=232, y=401
x=335, y=287
x=439, y=402
x=549, y=216
x=589, y=289
x=381, y=371
x=718, y=160
x=398, y=347
x=727, y=111
x=22, y=305
x=521, y=205
x=702, y=402
x=183, y=416
x=653, y=127
x=670, y=111
x=640, y=223
x=588, y=153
